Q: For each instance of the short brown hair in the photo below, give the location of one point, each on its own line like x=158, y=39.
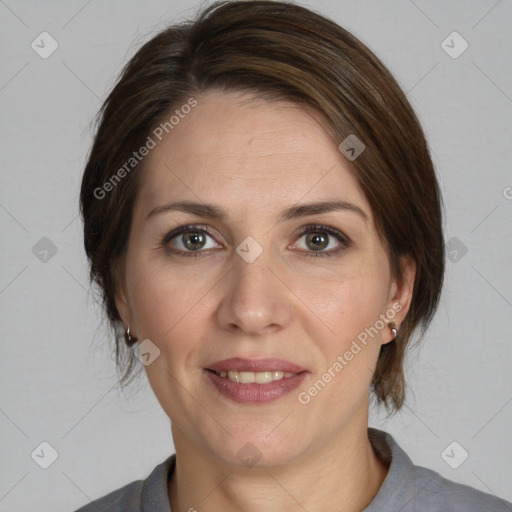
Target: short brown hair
x=279, y=51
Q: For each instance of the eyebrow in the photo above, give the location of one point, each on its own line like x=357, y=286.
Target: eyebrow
x=293, y=212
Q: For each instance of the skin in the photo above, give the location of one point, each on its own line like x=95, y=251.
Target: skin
x=254, y=159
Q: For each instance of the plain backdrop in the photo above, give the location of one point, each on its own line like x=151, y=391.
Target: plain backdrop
x=57, y=373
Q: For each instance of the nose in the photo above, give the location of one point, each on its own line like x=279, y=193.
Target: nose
x=254, y=299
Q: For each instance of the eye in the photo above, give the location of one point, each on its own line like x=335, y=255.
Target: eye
x=189, y=239
x=319, y=240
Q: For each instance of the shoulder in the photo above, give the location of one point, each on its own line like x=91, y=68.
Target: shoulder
x=436, y=493
x=125, y=499
x=138, y=495
x=411, y=488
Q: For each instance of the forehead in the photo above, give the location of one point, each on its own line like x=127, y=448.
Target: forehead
x=237, y=149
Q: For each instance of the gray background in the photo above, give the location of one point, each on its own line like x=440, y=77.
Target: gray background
x=56, y=370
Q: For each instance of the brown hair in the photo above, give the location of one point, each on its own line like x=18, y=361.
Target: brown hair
x=279, y=51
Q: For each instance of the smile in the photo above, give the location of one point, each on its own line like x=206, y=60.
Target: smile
x=254, y=377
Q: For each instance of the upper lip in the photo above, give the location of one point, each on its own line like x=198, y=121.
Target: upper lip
x=239, y=364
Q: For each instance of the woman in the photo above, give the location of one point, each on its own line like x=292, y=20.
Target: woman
x=263, y=218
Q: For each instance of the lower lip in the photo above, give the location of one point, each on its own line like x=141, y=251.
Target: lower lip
x=255, y=393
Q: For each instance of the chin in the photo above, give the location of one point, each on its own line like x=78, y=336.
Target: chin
x=257, y=451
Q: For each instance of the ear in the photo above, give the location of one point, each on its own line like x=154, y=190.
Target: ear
x=123, y=307
x=401, y=294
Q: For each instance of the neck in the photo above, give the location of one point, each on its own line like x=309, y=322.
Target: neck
x=345, y=472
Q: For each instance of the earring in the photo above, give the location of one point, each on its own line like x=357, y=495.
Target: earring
x=393, y=328
x=129, y=338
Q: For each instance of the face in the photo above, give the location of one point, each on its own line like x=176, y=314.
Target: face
x=272, y=254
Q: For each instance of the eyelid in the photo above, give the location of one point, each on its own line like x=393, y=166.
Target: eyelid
x=184, y=229
x=313, y=228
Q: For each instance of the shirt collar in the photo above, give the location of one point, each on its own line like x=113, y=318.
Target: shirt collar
x=394, y=491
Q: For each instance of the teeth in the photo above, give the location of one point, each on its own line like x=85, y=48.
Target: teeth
x=257, y=377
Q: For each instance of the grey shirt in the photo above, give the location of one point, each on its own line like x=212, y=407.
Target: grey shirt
x=407, y=488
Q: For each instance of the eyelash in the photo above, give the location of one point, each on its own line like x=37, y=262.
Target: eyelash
x=312, y=228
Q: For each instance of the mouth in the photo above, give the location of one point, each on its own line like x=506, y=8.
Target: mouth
x=255, y=380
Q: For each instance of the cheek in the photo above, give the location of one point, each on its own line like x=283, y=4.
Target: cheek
x=350, y=304
x=168, y=312
x=161, y=297
x=350, y=307
x=350, y=299
x=169, y=308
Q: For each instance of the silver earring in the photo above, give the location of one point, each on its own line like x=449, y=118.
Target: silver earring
x=128, y=335
x=393, y=328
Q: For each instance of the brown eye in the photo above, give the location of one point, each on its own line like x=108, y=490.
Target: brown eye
x=189, y=240
x=317, y=241
x=193, y=240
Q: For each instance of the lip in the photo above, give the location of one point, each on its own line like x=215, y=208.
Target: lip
x=255, y=393
x=239, y=364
